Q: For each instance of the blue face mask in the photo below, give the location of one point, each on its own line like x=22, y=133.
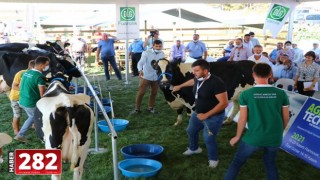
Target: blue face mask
x=157, y=51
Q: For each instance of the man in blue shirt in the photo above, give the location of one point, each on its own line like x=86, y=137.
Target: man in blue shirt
x=197, y=48
x=106, y=48
x=274, y=54
x=135, y=50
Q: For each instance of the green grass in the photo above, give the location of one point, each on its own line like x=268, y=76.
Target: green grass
x=158, y=129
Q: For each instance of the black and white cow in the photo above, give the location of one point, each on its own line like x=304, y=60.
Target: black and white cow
x=54, y=47
x=236, y=75
x=64, y=121
x=12, y=62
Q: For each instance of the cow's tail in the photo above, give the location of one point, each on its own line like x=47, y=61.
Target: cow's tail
x=75, y=155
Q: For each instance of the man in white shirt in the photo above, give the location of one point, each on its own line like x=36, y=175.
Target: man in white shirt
x=257, y=56
x=78, y=48
x=298, y=54
x=177, y=53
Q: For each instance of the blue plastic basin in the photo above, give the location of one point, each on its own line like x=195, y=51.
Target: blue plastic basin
x=150, y=151
x=139, y=167
x=118, y=124
x=105, y=102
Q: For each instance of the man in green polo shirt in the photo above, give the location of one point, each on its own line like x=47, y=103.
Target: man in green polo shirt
x=32, y=88
x=266, y=110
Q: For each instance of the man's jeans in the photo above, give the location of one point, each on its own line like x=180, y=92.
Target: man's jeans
x=113, y=63
x=28, y=122
x=244, y=152
x=210, y=125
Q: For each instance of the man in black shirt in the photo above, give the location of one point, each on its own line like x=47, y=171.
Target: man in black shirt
x=210, y=99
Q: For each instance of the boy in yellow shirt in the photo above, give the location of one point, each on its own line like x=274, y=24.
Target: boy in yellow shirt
x=14, y=97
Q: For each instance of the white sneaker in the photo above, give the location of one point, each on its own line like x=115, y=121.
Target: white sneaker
x=189, y=152
x=213, y=164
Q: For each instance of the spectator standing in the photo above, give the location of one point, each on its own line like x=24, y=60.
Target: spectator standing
x=210, y=99
x=316, y=48
x=197, y=49
x=135, y=50
x=32, y=88
x=253, y=40
x=239, y=52
x=148, y=76
x=308, y=73
x=247, y=42
x=154, y=35
x=274, y=53
x=177, y=53
x=78, y=48
x=298, y=55
x=106, y=48
x=14, y=97
x=265, y=109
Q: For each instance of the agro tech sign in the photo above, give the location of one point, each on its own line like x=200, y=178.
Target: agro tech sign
x=127, y=13
x=278, y=12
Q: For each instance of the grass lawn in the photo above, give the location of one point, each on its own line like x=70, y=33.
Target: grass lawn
x=158, y=129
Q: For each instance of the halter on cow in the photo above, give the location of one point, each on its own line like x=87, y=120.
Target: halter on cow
x=234, y=74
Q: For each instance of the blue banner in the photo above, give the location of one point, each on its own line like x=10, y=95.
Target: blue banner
x=302, y=139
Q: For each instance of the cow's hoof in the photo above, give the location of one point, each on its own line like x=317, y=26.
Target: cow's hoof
x=177, y=123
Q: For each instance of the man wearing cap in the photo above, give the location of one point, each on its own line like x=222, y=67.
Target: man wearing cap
x=177, y=53
x=253, y=40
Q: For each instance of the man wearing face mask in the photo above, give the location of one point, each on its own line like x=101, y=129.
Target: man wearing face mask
x=247, y=42
x=210, y=101
x=289, y=70
x=148, y=76
x=32, y=88
x=196, y=48
x=257, y=56
x=286, y=50
x=135, y=50
x=239, y=52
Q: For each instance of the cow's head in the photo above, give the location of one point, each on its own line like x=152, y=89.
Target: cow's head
x=58, y=83
x=164, y=72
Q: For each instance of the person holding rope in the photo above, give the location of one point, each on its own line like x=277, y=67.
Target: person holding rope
x=210, y=101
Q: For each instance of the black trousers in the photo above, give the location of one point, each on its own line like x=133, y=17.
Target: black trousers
x=301, y=91
x=135, y=59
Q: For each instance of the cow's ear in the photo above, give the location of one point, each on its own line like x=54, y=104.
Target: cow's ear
x=154, y=64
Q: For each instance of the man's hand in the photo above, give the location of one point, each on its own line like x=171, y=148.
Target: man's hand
x=141, y=74
x=176, y=88
x=234, y=140
x=202, y=116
